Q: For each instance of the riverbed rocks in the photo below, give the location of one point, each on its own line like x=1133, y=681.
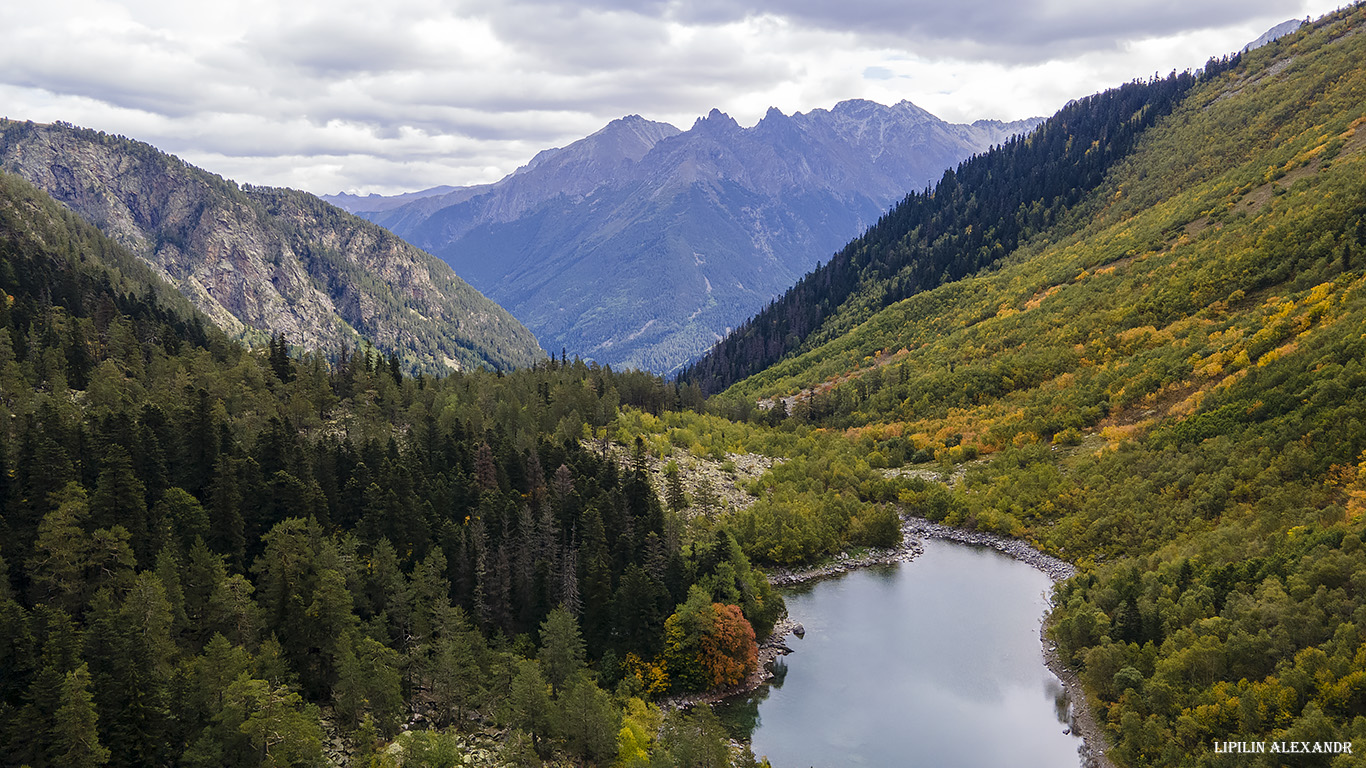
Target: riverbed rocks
x=913, y=531
x=1055, y=569
x=844, y=563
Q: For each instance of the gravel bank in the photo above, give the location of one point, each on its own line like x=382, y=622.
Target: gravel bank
x=786, y=577
x=1055, y=569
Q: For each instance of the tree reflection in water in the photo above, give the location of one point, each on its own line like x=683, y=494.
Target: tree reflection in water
x=740, y=715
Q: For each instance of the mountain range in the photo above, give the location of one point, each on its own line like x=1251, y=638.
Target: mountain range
x=642, y=245
x=263, y=261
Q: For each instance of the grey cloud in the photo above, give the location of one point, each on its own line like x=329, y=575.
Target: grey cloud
x=133, y=73
x=565, y=38
x=342, y=46
x=1012, y=31
x=422, y=92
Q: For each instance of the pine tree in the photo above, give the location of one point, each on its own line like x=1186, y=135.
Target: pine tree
x=79, y=361
x=227, y=526
x=16, y=642
x=673, y=489
x=456, y=677
x=130, y=650
x=589, y=720
x=528, y=703
x=278, y=357
x=484, y=472
x=569, y=583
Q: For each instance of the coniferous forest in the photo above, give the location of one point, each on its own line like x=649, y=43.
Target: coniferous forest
x=217, y=556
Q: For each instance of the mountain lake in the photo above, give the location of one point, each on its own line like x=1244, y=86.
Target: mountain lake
x=935, y=663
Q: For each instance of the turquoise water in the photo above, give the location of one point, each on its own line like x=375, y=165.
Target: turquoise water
x=933, y=663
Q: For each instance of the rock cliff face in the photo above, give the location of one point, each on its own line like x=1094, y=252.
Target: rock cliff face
x=269, y=260
x=642, y=244
x=1273, y=34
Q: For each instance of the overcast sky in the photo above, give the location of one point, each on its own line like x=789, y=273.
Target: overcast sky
x=401, y=95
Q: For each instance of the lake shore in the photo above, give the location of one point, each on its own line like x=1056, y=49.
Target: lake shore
x=1052, y=567
x=844, y=563
x=770, y=648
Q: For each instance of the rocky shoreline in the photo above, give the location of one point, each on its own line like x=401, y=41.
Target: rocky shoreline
x=1079, y=714
x=844, y=563
x=1055, y=569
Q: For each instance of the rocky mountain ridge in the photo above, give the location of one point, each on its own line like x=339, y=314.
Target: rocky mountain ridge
x=643, y=244
x=266, y=261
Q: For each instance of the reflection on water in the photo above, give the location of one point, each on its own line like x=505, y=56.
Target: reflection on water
x=1062, y=703
x=779, y=668
x=935, y=663
x=740, y=715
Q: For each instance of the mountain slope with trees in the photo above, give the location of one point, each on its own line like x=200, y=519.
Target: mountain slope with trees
x=1166, y=383
x=262, y=261
x=641, y=245
x=214, y=556
x=975, y=215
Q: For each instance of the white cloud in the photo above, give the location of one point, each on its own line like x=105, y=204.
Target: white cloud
x=408, y=94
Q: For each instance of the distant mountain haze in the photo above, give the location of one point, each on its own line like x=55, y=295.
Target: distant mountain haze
x=642, y=244
x=258, y=259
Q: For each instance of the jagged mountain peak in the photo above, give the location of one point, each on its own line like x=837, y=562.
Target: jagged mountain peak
x=864, y=108
x=626, y=138
x=856, y=105
x=773, y=115
x=641, y=244
x=716, y=121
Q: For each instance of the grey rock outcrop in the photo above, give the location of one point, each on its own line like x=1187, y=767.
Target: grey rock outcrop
x=260, y=260
x=1275, y=33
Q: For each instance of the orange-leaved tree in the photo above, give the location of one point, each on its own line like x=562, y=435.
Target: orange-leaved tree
x=729, y=652
x=707, y=645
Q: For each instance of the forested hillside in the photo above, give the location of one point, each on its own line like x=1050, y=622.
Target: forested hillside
x=261, y=261
x=215, y=556
x=1162, y=382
